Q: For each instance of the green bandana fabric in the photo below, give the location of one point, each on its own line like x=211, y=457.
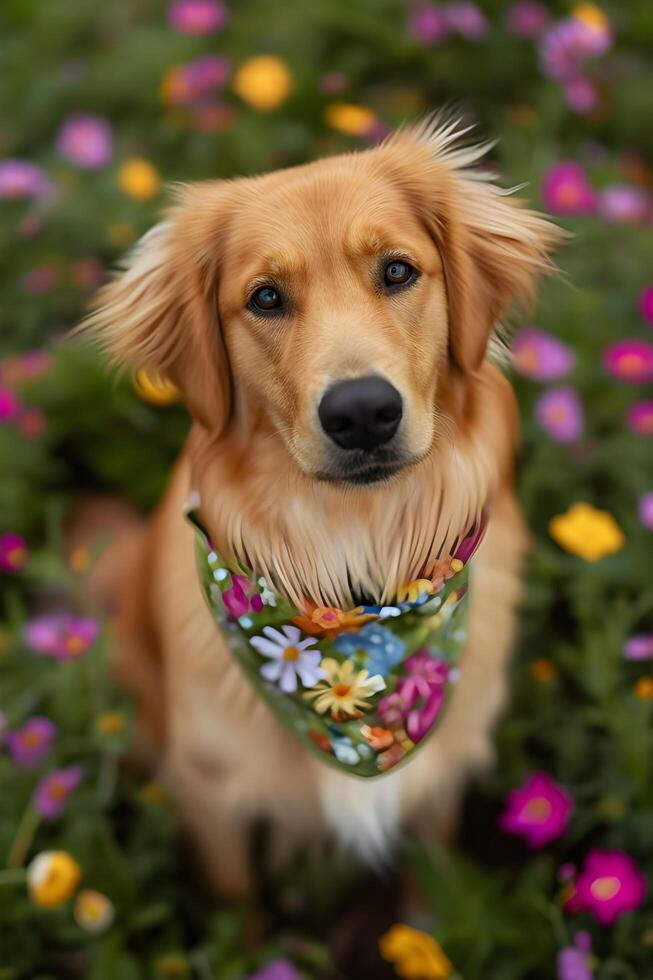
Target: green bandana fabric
x=361, y=688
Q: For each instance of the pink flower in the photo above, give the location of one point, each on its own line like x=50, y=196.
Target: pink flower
x=31, y=743
x=241, y=597
x=609, y=885
x=566, y=190
x=20, y=179
x=540, y=356
x=195, y=80
x=419, y=696
x=87, y=273
x=13, y=552
x=646, y=304
x=54, y=791
x=580, y=95
x=333, y=82
x=61, y=635
x=86, y=141
x=197, y=16
x=527, y=19
x=538, y=811
x=560, y=413
x=574, y=962
x=640, y=418
x=629, y=360
x=40, y=279
x=31, y=423
x=639, y=647
x=645, y=510
x=9, y=405
x=27, y=366
x=624, y=204
x=276, y=970
x=427, y=24
x=466, y=19
x=568, y=43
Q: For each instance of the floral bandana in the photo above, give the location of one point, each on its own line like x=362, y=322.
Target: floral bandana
x=361, y=688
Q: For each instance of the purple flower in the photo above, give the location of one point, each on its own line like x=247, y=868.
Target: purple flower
x=241, y=597
x=54, y=791
x=427, y=24
x=629, y=360
x=624, y=204
x=609, y=885
x=580, y=95
x=9, y=405
x=639, y=647
x=568, y=43
x=61, y=635
x=21, y=178
x=31, y=743
x=13, y=552
x=560, y=413
x=527, y=19
x=540, y=356
x=646, y=304
x=276, y=970
x=194, y=81
x=470, y=543
x=419, y=696
x=566, y=190
x=289, y=658
x=538, y=811
x=86, y=141
x=645, y=510
x=197, y=16
x=573, y=962
x=640, y=418
x=466, y=19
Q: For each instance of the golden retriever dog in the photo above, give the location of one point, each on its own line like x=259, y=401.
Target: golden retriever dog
x=380, y=276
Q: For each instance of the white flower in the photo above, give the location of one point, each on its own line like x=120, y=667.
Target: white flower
x=289, y=658
x=268, y=597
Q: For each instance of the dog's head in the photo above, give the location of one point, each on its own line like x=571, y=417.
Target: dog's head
x=336, y=304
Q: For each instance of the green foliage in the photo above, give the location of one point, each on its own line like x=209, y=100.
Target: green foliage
x=496, y=910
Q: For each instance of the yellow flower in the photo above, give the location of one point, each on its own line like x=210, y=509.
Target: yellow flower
x=52, y=877
x=643, y=689
x=542, y=670
x=80, y=560
x=263, y=82
x=587, y=532
x=344, y=690
x=411, y=591
x=110, y=723
x=93, y=911
x=591, y=16
x=354, y=120
x=138, y=179
x=153, y=389
x=415, y=954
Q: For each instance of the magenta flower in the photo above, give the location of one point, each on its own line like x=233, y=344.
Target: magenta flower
x=427, y=24
x=467, y=19
x=54, y=791
x=629, y=360
x=639, y=647
x=609, y=885
x=9, y=405
x=276, y=970
x=470, y=543
x=646, y=304
x=527, y=19
x=13, y=552
x=560, y=413
x=418, y=698
x=640, y=418
x=197, y=16
x=86, y=141
x=567, y=44
x=20, y=179
x=538, y=811
x=580, y=95
x=540, y=356
x=241, y=597
x=645, y=510
x=624, y=204
x=195, y=80
x=31, y=743
x=574, y=962
x=61, y=635
x=566, y=190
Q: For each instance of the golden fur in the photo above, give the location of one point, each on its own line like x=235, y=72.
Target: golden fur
x=272, y=492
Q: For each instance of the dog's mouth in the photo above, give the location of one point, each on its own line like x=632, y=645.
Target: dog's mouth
x=361, y=469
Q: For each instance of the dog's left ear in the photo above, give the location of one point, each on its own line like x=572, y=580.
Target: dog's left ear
x=160, y=310
x=493, y=248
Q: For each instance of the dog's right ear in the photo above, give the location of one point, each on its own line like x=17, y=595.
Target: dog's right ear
x=160, y=310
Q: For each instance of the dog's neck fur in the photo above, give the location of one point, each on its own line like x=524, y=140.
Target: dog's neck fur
x=333, y=545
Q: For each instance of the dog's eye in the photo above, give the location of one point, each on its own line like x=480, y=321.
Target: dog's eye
x=398, y=273
x=265, y=299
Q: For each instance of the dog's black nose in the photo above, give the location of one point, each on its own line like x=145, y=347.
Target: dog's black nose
x=362, y=413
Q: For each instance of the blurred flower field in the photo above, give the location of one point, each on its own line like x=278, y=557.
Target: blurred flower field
x=101, y=106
